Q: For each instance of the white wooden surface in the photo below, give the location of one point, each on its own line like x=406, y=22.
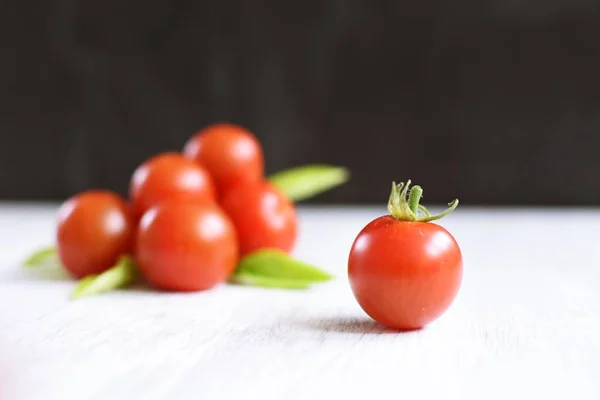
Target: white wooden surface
x=526, y=324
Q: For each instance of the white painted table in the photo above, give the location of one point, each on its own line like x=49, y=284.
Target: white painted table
x=526, y=324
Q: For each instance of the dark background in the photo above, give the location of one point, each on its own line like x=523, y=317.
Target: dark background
x=493, y=101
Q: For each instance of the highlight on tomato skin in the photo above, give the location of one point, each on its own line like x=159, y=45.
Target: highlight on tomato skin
x=404, y=270
x=169, y=176
x=230, y=152
x=186, y=246
x=263, y=217
x=94, y=229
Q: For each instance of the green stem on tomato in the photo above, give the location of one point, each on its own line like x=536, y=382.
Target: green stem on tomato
x=414, y=198
x=404, y=205
x=424, y=211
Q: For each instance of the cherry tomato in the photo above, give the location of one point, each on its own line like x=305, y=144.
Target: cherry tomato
x=186, y=246
x=231, y=154
x=95, y=228
x=263, y=217
x=169, y=176
x=405, y=272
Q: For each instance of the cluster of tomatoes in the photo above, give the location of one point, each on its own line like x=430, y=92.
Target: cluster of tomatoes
x=189, y=218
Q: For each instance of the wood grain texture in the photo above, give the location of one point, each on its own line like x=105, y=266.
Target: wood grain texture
x=525, y=325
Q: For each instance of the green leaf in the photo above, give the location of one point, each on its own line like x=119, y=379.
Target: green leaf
x=44, y=256
x=246, y=278
x=278, y=265
x=304, y=182
x=120, y=275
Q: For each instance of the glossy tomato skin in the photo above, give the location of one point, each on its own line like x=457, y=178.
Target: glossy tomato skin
x=404, y=274
x=186, y=246
x=263, y=217
x=95, y=228
x=231, y=153
x=169, y=177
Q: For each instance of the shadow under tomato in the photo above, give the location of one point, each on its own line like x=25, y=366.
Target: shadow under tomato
x=142, y=286
x=353, y=325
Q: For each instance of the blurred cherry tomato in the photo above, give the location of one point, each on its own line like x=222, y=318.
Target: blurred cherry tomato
x=263, y=217
x=186, y=246
x=405, y=271
x=94, y=229
x=169, y=176
x=231, y=154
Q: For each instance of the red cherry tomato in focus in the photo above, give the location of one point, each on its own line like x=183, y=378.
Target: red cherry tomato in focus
x=232, y=155
x=263, y=217
x=186, y=246
x=404, y=274
x=95, y=228
x=168, y=177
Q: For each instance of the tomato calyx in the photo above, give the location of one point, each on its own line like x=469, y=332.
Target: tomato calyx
x=404, y=204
